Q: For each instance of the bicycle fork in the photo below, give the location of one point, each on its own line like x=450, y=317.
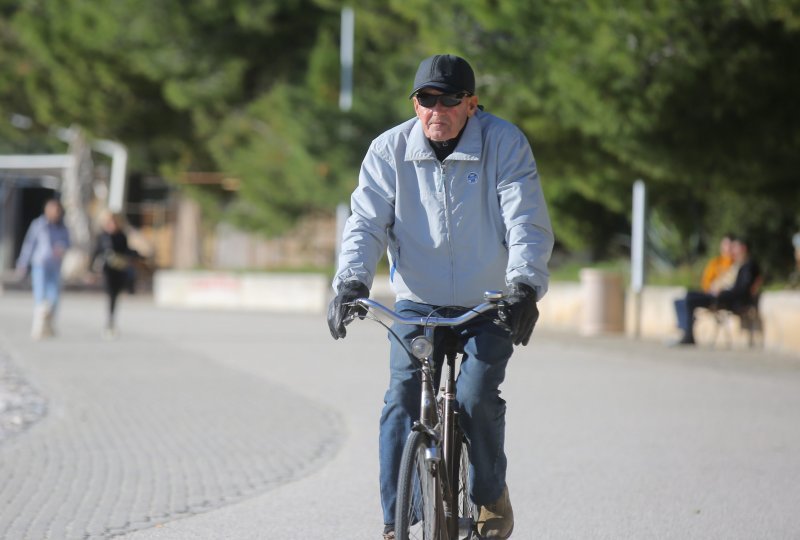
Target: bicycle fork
x=450, y=495
x=441, y=426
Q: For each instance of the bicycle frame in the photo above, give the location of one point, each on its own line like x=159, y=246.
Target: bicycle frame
x=440, y=422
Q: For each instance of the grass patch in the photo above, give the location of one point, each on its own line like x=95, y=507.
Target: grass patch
x=684, y=276
x=570, y=270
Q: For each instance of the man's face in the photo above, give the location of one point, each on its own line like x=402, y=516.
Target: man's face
x=52, y=211
x=440, y=123
x=738, y=251
x=110, y=225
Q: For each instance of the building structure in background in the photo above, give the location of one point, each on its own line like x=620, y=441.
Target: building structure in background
x=83, y=184
x=166, y=225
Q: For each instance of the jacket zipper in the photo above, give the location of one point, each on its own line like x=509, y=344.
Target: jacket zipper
x=442, y=169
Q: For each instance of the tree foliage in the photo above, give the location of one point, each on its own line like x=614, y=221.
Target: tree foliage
x=698, y=98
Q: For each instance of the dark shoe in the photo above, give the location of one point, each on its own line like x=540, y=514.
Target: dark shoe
x=388, y=535
x=496, y=520
x=685, y=340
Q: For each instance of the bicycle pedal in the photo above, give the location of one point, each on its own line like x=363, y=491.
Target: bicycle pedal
x=466, y=529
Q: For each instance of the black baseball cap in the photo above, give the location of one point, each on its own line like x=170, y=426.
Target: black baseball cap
x=445, y=72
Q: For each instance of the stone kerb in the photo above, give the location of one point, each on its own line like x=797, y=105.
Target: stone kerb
x=284, y=292
x=562, y=309
x=780, y=312
x=780, y=315
x=657, y=319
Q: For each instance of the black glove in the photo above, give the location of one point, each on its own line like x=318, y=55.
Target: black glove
x=339, y=309
x=523, y=312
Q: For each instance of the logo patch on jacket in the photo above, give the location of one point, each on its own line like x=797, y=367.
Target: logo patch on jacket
x=472, y=178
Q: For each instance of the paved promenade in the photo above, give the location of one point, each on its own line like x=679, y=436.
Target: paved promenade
x=231, y=425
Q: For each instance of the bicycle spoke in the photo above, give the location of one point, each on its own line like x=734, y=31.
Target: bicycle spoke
x=419, y=515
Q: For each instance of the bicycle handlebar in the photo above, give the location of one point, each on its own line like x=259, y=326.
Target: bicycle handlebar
x=427, y=320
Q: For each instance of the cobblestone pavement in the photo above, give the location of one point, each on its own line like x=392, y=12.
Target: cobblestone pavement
x=140, y=432
x=21, y=405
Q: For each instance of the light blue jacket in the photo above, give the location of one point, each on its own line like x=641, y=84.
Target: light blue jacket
x=41, y=238
x=477, y=221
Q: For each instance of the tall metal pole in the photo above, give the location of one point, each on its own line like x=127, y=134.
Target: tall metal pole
x=638, y=252
x=3, y=247
x=346, y=55
x=117, y=182
x=346, y=48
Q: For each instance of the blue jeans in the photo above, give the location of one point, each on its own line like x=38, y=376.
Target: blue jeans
x=487, y=348
x=46, y=285
x=680, y=312
x=684, y=309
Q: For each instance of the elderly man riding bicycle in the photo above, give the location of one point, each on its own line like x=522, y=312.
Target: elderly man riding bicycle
x=454, y=195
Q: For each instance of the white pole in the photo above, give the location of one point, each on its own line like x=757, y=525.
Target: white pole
x=346, y=55
x=119, y=161
x=638, y=251
x=346, y=49
x=3, y=244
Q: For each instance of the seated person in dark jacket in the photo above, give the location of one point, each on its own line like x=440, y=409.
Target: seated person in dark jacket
x=734, y=298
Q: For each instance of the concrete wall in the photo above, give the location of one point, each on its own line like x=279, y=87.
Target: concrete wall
x=298, y=293
x=563, y=308
x=780, y=311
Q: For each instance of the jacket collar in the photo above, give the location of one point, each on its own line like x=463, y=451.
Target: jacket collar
x=468, y=149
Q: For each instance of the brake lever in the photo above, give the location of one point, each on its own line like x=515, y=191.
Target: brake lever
x=353, y=313
x=503, y=319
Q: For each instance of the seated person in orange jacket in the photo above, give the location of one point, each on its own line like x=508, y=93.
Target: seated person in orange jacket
x=717, y=275
x=736, y=296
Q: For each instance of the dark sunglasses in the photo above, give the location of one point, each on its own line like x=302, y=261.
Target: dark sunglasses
x=448, y=100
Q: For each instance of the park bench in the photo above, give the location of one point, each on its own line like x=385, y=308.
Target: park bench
x=748, y=317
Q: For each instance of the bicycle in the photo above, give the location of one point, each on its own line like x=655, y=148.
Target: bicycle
x=433, y=489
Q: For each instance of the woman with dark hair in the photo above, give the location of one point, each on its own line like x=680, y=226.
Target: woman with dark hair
x=116, y=256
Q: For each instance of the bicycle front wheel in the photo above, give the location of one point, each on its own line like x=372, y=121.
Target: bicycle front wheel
x=419, y=514
x=467, y=510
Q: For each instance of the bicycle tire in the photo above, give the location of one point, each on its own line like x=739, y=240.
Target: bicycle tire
x=467, y=510
x=419, y=514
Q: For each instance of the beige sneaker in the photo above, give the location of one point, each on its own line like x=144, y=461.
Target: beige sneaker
x=110, y=333
x=49, y=325
x=39, y=328
x=496, y=520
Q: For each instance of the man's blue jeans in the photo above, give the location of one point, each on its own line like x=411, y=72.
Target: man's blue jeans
x=46, y=285
x=487, y=348
x=680, y=313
